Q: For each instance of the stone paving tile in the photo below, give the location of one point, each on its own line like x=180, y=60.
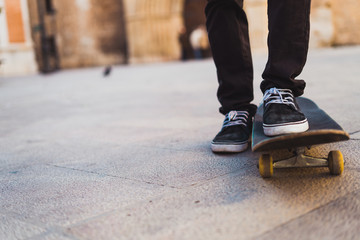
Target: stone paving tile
x=53, y=236
x=237, y=206
x=60, y=142
x=174, y=160
x=173, y=168
x=53, y=233
x=338, y=219
x=12, y=228
x=59, y=196
x=181, y=160
x=151, y=159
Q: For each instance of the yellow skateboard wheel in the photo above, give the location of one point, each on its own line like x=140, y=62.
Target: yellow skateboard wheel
x=266, y=166
x=336, y=162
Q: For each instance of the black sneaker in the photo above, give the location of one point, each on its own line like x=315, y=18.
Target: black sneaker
x=282, y=114
x=235, y=132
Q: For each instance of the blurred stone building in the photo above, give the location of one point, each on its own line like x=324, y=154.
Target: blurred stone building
x=16, y=48
x=77, y=33
x=84, y=33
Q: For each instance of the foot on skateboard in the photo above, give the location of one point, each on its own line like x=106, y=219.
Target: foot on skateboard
x=322, y=129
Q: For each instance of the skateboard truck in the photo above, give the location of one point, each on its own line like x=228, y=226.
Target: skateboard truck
x=335, y=162
x=300, y=159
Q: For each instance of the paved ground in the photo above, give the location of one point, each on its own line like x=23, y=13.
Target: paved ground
x=127, y=157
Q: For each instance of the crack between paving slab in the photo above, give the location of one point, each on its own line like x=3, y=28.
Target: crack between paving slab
x=122, y=209
x=114, y=176
x=236, y=172
x=303, y=215
x=167, y=148
x=352, y=133
x=61, y=230
x=159, y=196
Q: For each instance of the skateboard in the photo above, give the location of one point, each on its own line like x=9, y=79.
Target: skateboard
x=322, y=129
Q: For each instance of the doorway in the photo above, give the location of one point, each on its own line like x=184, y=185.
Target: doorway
x=194, y=16
x=43, y=31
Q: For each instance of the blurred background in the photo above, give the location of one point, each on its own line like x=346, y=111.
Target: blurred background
x=48, y=35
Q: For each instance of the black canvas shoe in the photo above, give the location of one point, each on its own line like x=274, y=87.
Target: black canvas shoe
x=234, y=134
x=281, y=113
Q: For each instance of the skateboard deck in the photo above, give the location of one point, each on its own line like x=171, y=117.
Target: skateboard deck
x=322, y=129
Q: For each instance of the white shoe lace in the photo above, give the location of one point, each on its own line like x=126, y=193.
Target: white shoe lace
x=236, y=118
x=282, y=96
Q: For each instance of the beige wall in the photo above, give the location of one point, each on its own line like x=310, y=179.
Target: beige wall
x=96, y=32
x=322, y=27
x=346, y=21
x=16, y=50
x=89, y=32
x=256, y=11
x=333, y=22
x=152, y=29
x=153, y=24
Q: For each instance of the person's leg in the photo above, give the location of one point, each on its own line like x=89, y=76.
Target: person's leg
x=229, y=41
x=288, y=42
x=288, y=46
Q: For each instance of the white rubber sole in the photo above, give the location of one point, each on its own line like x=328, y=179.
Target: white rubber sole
x=229, y=148
x=286, y=128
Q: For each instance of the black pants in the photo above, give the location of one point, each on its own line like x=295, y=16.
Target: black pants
x=288, y=23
